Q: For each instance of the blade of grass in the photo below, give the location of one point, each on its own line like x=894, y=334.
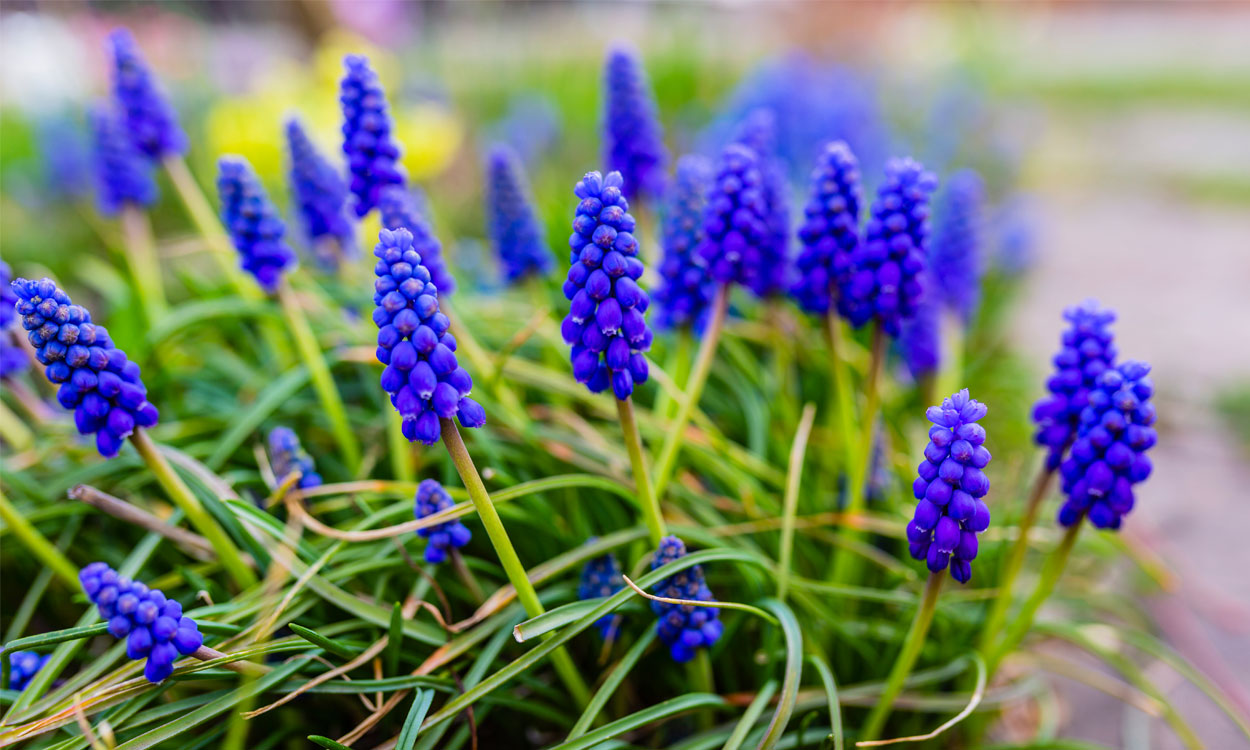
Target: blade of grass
x=831, y=698
x=751, y=715
x=645, y=717
x=611, y=683
x=412, y=725
x=793, y=676
x=794, y=475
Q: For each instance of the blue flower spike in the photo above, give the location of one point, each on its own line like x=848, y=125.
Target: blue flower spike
x=444, y=537
x=633, y=136
x=684, y=628
x=152, y=624
x=830, y=229
x=951, y=487
x=422, y=376
x=287, y=455
x=23, y=666
x=96, y=380
x=12, y=358
x=1087, y=350
x=602, y=577
x=606, y=324
x=255, y=228
x=400, y=208
x=320, y=195
x=735, y=222
x=684, y=298
x=920, y=340
x=371, y=149
x=955, y=255
x=150, y=120
x=770, y=275
x=123, y=176
x=512, y=225
x=1109, y=455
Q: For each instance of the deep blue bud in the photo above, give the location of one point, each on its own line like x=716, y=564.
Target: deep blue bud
x=102, y=387
x=606, y=324
x=23, y=666
x=830, y=228
x=736, y=235
x=1087, y=350
x=122, y=174
x=253, y=223
x=686, y=289
x=150, y=119
x=683, y=627
x=320, y=195
x=12, y=358
x=955, y=252
x=770, y=275
x=633, y=138
x=951, y=487
x=152, y=624
x=511, y=223
x=601, y=577
x=1109, y=454
x=287, y=455
x=444, y=537
x=399, y=208
x=371, y=150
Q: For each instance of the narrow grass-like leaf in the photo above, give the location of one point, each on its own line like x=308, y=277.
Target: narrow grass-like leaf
x=553, y=619
x=793, y=676
x=395, y=639
x=611, y=683
x=328, y=644
x=190, y=314
x=326, y=742
x=751, y=715
x=412, y=725
x=831, y=698
x=243, y=424
x=642, y=718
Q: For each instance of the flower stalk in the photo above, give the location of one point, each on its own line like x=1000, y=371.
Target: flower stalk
x=648, y=503
x=145, y=266
x=912, y=645
x=207, y=223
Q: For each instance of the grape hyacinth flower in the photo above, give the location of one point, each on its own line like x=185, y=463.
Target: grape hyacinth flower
x=12, y=358
x=955, y=252
x=122, y=174
x=920, y=340
x=66, y=155
x=735, y=221
x=606, y=325
x=445, y=537
x=153, y=625
x=686, y=290
x=96, y=380
x=1087, y=350
x=513, y=227
x=372, y=152
x=150, y=118
x=320, y=194
x=254, y=225
x=287, y=455
x=951, y=512
x=633, y=137
x=23, y=666
x=422, y=376
x=400, y=207
x=758, y=132
x=884, y=279
x=830, y=228
x=683, y=627
x=601, y=577
x=1109, y=455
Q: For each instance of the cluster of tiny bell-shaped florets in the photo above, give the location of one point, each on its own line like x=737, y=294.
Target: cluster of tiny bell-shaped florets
x=736, y=237
x=684, y=628
x=601, y=578
x=320, y=195
x=685, y=295
x=422, y=376
x=444, y=537
x=512, y=225
x=770, y=275
x=103, y=387
x=255, y=227
x=955, y=255
x=884, y=280
x=1109, y=454
x=12, y=358
x=123, y=175
x=951, y=487
x=287, y=455
x=23, y=666
x=606, y=325
x=1087, y=349
x=399, y=209
x=920, y=339
x=153, y=625
x=633, y=138
x=150, y=119
x=371, y=150
x=830, y=229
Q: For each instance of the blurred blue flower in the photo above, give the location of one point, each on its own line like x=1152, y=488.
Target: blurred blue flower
x=371, y=150
x=683, y=627
x=320, y=195
x=601, y=577
x=122, y=174
x=23, y=666
x=150, y=119
x=770, y=275
x=403, y=208
x=955, y=248
x=686, y=288
x=1087, y=349
x=830, y=228
x=444, y=537
x=511, y=223
x=633, y=137
x=253, y=223
x=12, y=358
x=287, y=455
x=736, y=239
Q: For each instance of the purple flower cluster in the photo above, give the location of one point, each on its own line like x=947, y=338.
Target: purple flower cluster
x=606, y=325
x=150, y=118
x=399, y=208
x=424, y=380
x=830, y=228
x=443, y=538
x=758, y=132
x=955, y=254
x=1109, y=454
x=253, y=223
x=683, y=627
x=320, y=193
x=633, y=137
x=96, y=380
x=950, y=488
x=23, y=666
x=66, y=156
x=883, y=282
x=686, y=291
x=736, y=237
x=601, y=577
x=153, y=626
x=920, y=339
x=513, y=227
x=1087, y=350
x=12, y=358
x=287, y=455
x=372, y=153
x=122, y=174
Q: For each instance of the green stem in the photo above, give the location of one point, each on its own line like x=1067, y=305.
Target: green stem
x=1051, y=573
x=30, y=537
x=227, y=553
x=912, y=645
x=400, y=448
x=794, y=474
x=844, y=401
x=667, y=459
x=208, y=225
x=319, y=373
x=701, y=679
x=145, y=265
x=678, y=368
x=14, y=430
x=1015, y=561
x=512, y=566
x=648, y=503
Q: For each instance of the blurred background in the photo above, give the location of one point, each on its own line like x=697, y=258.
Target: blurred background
x=1113, y=139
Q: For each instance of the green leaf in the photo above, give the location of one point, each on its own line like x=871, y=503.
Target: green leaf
x=395, y=639
x=609, y=686
x=751, y=715
x=831, y=698
x=642, y=718
x=794, y=673
x=412, y=725
x=330, y=646
x=326, y=742
x=278, y=392
x=553, y=619
x=190, y=314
